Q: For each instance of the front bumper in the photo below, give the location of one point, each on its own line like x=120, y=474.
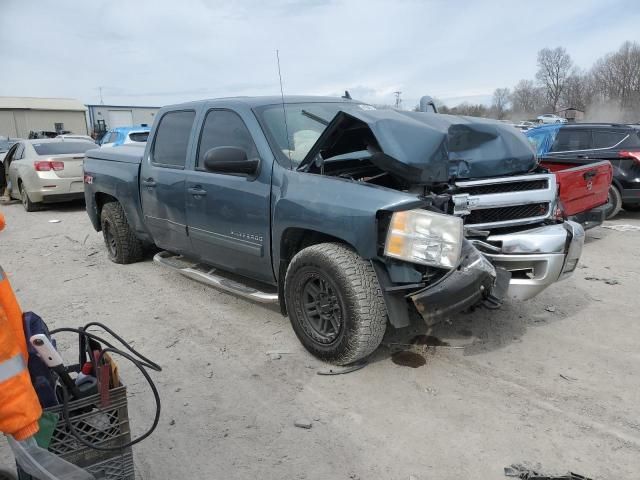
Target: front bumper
x=518, y=265
x=536, y=258
x=476, y=280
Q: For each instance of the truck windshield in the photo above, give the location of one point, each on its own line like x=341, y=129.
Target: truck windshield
x=305, y=123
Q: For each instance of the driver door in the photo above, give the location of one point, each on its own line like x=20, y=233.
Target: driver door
x=228, y=215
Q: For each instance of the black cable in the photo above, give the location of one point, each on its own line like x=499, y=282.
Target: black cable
x=145, y=361
x=141, y=362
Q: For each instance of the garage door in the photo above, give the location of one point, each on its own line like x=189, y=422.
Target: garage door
x=120, y=118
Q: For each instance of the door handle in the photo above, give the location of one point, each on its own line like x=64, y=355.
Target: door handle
x=149, y=182
x=583, y=156
x=197, y=191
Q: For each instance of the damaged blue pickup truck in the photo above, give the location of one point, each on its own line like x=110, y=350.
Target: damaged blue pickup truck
x=350, y=217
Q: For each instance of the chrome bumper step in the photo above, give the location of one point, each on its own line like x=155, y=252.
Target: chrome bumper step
x=213, y=277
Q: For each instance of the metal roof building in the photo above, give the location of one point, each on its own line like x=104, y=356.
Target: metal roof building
x=21, y=115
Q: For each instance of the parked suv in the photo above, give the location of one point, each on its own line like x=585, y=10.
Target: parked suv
x=582, y=143
x=125, y=135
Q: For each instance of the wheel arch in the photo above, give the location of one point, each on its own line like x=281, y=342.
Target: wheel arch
x=616, y=183
x=292, y=241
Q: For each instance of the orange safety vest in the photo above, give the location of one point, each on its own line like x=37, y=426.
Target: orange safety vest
x=19, y=405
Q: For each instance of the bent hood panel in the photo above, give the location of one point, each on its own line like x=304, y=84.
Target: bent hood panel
x=427, y=148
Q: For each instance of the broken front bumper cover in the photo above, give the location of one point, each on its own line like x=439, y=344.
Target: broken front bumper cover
x=476, y=280
x=536, y=258
x=519, y=265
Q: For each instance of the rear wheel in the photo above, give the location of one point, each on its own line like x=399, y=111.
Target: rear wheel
x=122, y=244
x=614, y=203
x=28, y=205
x=335, y=304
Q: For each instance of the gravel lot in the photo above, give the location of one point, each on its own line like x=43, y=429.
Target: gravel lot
x=553, y=380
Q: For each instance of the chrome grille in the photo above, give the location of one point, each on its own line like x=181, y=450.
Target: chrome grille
x=539, y=184
x=517, y=212
x=503, y=202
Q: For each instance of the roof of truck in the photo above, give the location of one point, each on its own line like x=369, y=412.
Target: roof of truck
x=270, y=100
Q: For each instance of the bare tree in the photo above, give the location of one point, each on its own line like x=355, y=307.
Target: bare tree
x=526, y=97
x=471, y=110
x=554, y=67
x=577, y=92
x=501, y=99
x=616, y=76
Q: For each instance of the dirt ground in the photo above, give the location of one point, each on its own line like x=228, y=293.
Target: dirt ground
x=552, y=381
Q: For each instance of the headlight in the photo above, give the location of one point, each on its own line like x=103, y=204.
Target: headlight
x=425, y=237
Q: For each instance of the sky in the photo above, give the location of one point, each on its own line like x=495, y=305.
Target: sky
x=162, y=52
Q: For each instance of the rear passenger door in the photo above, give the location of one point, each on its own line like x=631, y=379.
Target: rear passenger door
x=162, y=182
x=572, y=144
x=229, y=215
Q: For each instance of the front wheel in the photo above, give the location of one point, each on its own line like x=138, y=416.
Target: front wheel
x=122, y=244
x=614, y=203
x=335, y=303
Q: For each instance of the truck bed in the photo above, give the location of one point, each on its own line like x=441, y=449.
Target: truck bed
x=131, y=153
x=117, y=171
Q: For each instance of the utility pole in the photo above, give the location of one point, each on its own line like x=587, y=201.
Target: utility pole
x=101, y=100
x=398, y=100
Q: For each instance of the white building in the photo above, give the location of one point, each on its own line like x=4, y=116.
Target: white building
x=21, y=115
x=105, y=117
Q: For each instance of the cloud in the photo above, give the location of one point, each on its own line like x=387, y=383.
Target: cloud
x=163, y=51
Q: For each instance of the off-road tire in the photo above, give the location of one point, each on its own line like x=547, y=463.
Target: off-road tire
x=28, y=205
x=7, y=475
x=358, y=294
x=614, y=204
x=122, y=244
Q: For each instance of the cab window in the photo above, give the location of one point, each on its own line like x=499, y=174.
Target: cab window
x=172, y=139
x=107, y=138
x=224, y=128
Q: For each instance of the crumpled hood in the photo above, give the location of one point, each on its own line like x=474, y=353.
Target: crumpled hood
x=427, y=148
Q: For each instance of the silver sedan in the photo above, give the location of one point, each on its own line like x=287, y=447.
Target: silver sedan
x=45, y=171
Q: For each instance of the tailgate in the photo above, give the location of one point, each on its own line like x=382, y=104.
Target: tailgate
x=581, y=188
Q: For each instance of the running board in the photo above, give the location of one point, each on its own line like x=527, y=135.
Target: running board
x=205, y=274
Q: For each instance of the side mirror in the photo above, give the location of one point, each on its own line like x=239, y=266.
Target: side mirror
x=231, y=160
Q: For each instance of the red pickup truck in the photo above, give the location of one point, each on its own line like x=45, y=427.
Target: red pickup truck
x=583, y=190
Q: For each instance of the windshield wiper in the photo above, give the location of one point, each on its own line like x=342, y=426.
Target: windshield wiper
x=315, y=117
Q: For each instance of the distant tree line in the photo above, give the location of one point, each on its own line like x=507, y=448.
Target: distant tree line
x=608, y=91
